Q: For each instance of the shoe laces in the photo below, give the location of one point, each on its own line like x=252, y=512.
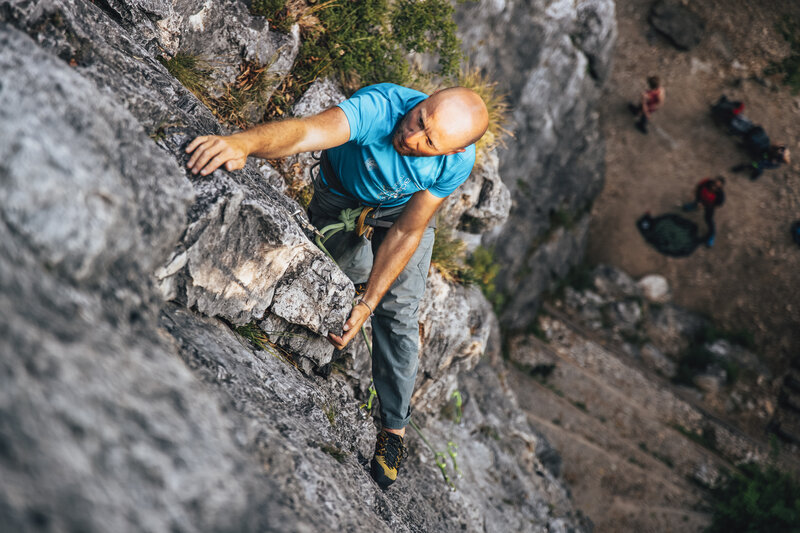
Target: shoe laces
x=390, y=447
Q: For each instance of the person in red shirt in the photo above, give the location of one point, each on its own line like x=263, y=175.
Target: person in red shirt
x=710, y=194
x=652, y=99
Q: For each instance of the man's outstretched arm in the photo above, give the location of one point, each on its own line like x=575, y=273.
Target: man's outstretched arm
x=270, y=141
x=392, y=256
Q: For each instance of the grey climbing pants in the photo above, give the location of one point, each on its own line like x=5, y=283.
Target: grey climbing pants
x=395, y=326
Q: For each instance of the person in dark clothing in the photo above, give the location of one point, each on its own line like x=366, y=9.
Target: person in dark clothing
x=775, y=156
x=728, y=114
x=651, y=100
x=710, y=194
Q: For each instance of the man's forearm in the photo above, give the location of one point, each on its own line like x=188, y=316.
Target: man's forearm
x=391, y=258
x=273, y=139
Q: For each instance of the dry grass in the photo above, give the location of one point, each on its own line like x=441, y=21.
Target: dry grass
x=244, y=101
x=496, y=104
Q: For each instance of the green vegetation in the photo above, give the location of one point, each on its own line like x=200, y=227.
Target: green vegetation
x=449, y=255
x=483, y=270
x=330, y=413
x=258, y=337
x=757, y=500
x=244, y=101
x=696, y=358
x=240, y=103
x=707, y=437
x=362, y=42
x=789, y=68
x=193, y=72
x=337, y=453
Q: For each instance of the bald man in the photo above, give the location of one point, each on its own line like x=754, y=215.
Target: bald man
x=401, y=152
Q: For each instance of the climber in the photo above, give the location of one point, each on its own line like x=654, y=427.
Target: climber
x=651, y=99
x=403, y=152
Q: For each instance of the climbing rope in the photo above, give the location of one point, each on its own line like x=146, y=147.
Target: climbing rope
x=351, y=219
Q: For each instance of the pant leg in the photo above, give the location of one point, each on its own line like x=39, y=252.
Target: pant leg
x=395, y=334
x=712, y=230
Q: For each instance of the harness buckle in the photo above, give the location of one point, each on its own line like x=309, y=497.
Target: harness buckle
x=361, y=228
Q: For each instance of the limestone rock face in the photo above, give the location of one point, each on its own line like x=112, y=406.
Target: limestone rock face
x=481, y=203
x=551, y=59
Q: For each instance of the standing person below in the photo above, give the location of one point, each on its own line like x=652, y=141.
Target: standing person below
x=710, y=194
x=652, y=99
x=402, y=152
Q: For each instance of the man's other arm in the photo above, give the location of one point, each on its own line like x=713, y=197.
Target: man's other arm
x=270, y=141
x=392, y=256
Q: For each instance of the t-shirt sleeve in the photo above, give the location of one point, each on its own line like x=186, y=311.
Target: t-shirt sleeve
x=368, y=112
x=454, y=175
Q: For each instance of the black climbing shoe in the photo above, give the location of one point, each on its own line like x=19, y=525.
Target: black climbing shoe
x=389, y=451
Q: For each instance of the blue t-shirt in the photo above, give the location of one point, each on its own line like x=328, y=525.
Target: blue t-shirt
x=369, y=167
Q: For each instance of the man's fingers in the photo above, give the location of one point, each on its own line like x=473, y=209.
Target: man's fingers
x=208, y=152
x=336, y=341
x=199, y=150
x=195, y=143
x=214, y=164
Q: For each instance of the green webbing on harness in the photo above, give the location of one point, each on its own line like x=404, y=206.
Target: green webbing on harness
x=347, y=222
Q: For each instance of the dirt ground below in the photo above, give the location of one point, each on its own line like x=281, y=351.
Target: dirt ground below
x=750, y=279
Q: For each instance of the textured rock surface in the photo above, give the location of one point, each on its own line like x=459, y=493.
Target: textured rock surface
x=551, y=58
x=678, y=23
x=240, y=242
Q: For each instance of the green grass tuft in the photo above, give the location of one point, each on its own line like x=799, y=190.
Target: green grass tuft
x=449, y=255
x=193, y=72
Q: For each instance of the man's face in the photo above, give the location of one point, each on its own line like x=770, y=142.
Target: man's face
x=416, y=134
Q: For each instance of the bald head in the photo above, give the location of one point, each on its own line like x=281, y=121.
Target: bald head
x=444, y=123
x=461, y=114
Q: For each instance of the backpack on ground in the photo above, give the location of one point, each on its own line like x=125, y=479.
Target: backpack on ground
x=670, y=234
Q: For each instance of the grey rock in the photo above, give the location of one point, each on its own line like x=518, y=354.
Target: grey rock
x=613, y=283
x=655, y=288
x=221, y=34
x=671, y=328
x=559, y=253
x=86, y=189
x=550, y=61
x=655, y=359
x=482, y=202
x=241, y=236
x=683, y=27
x=623, y=316
x=456, y=323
